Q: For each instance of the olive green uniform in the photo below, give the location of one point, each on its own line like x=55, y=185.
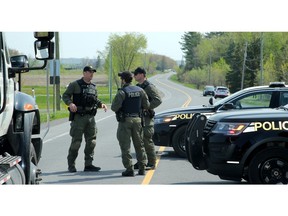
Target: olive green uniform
x=155, y=100
x=82, y=122
x=128, y=128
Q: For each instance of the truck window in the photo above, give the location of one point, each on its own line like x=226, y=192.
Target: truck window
x=1, y=76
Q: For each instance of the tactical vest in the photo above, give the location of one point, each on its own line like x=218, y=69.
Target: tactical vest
x=132, y=103
x=144, y=85
x=87, y=96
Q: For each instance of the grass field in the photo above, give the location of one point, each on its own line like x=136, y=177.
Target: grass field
x=35, y=84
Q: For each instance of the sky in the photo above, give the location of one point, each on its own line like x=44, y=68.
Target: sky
x=85, y=26
x=87, y=44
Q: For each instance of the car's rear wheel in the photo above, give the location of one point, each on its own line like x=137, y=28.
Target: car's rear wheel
x=178, y=141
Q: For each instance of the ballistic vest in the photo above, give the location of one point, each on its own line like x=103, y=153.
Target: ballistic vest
x=132, y=102
x=87, y=97
x=144, y=85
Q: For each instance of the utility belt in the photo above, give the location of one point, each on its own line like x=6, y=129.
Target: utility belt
x=81, y=113
x=85, y=112
x=133, y=115
x=120, y=116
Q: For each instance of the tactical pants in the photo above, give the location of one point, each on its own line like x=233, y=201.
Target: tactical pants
x=82, y=125
x=131, y=128
x=148, y=142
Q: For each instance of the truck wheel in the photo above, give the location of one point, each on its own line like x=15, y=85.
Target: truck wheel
x=33, y=166
x=178, y=142
x=29, y=157
x=270, y=166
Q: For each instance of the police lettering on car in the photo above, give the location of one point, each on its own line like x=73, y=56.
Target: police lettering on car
x=279, y=125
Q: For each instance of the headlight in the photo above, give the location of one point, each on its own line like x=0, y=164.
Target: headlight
x=165, y=119
x=230, y=128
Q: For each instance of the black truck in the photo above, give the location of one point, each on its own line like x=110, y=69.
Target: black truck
x=249, y=145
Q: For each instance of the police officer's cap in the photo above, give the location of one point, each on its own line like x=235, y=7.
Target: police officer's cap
x=89, y=68
x=139, y=70
x=126, y=75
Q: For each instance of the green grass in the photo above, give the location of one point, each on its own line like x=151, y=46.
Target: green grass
x=174, y=79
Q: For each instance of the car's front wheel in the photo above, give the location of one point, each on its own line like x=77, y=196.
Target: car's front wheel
x=178, y=141
x=270, y=166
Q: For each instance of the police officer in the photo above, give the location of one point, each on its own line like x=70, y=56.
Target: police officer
x=155, y=100
x=128, y=104
x=82, y=98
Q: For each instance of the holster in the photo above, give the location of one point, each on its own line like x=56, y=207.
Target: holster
x=94, y=111
x=149, y=113
x=120, y=117
x=71, y=115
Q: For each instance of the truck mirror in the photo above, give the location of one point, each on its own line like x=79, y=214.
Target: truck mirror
x=20, y=62
x=44, y=35
x=43, y=46
x=44, y=49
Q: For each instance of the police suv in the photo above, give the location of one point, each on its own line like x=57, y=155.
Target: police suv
x=170, y=125
x=235, y=145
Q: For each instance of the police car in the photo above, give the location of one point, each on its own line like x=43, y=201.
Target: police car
x=241, y=144
x=170, y=125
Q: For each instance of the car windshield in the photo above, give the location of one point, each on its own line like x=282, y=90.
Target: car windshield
x=221, y=89
x=209, y=88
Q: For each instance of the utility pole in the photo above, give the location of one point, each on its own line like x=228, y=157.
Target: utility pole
x=261, y=58
x=244, y=62
x=110, y=76
x=145, y=61
x=57, y=67
x=209, y=75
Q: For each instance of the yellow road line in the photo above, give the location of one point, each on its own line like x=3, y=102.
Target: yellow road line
x=150, y=173
x=189, y=99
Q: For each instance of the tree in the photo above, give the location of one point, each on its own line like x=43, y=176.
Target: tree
x=189, y=43
x=126, y=52
x=98, y=62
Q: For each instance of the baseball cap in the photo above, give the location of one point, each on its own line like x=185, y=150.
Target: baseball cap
x=125, y=75
x=139, y=70
x=89, y=68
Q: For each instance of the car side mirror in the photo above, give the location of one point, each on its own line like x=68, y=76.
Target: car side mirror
x=211, y=100
x=228, y=106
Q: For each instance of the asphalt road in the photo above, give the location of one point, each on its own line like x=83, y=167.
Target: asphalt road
x=171, y=170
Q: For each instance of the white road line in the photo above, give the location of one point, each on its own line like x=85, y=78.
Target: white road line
x=64, y=134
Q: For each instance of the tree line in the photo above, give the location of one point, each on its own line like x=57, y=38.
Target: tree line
x=234, y=59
